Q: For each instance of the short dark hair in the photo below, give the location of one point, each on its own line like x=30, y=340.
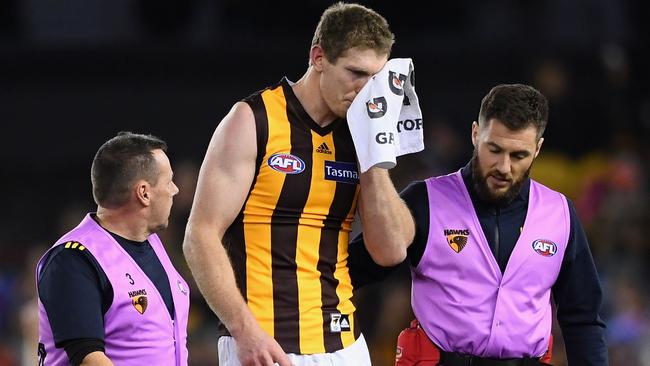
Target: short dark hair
x=119, y=163
x=516, y=106
x=344, y=26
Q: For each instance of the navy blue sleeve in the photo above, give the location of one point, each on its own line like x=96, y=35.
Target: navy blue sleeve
x=579, y=296
x=417, y=199
x=363, y=270
x=71, y=291
x=78, y=349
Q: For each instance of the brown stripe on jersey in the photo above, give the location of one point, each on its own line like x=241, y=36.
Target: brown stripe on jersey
x=234, y=237
x=258, y=214
x=328, y=253
x=284, y=234
x=233, y=241
x=261, y=129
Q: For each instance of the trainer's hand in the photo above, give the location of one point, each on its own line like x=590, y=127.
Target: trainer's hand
x=256, y=348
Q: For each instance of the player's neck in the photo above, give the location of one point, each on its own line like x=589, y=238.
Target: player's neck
x=307, y=90
x=123, y=222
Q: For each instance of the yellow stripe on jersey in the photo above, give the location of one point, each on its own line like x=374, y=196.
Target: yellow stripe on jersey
x=344, y=288
x=257, y=221
x=321, y=195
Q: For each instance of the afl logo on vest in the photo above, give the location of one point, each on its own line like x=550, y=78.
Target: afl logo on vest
x=286, y=163
x=545, y=248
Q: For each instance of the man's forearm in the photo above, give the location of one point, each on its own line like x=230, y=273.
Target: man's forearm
x=388, y=226
x=214, y=276
x=585, y=345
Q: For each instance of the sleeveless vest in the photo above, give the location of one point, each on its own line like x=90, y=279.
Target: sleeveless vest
x=459, y=295
x=137, y=327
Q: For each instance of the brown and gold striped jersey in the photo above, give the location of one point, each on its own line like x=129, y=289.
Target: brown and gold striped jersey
x=289, y=244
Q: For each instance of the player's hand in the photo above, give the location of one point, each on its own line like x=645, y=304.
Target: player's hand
x=256, y=348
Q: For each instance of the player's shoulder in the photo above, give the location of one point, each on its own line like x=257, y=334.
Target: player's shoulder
x=257, y=95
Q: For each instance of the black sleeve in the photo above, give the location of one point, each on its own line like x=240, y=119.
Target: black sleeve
x=417, y=199
x=363, y=270
x=78, y=349
x=579, y=296
x=73, y=290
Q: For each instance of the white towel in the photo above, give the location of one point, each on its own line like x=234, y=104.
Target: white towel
x=385, y=118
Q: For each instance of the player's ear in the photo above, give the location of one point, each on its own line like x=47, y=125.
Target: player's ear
x=316, y=57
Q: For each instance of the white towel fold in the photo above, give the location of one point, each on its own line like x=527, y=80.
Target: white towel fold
x=385, y=118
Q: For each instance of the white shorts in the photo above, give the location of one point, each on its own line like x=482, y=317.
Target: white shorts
x=356, y=354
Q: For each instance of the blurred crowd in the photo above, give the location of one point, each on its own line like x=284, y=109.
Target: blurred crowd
x=595, y=151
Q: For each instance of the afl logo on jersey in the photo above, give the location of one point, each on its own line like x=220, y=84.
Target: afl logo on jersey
x=286, y=163
x=545, y=248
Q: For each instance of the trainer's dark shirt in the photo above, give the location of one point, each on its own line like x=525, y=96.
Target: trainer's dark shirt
x=577, y=291
x=76, y=294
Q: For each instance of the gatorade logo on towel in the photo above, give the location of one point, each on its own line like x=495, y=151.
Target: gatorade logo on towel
x=377, y=107
x=396, y=82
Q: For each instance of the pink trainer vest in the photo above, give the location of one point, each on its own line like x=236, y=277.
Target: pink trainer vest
x=137, y=327
x=459, y=295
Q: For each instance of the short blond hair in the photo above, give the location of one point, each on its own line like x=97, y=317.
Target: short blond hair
x=343, y=26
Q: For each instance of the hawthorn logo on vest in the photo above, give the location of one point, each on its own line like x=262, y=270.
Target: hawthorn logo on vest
x=396, y=82
x=377, y=107
x=339, y=323
x=457, y=239
x=286, y=163
x=139, y=299
x=545, y=248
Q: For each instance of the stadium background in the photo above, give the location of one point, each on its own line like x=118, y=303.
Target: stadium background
x=74, y=73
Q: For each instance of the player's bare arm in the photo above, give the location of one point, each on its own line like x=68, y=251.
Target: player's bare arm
x=388, y=227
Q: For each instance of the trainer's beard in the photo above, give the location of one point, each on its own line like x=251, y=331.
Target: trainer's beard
x=484, y=192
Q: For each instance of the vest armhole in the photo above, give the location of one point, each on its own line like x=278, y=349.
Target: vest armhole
x=427, y=184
